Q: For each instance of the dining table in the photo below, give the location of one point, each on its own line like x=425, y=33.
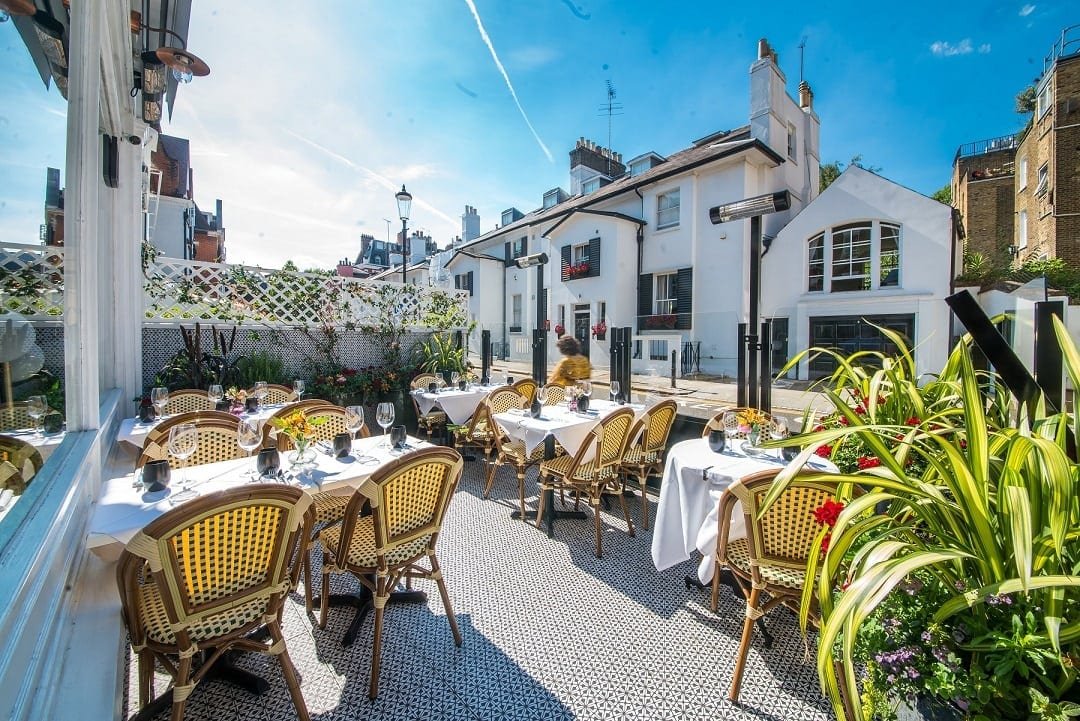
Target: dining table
x=557, y=423
x=134, y=431
x=458, y=405
x=46, y=443
x=695, y=477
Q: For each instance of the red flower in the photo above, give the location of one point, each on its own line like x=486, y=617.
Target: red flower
x=348, y=372
x=827, y=513
x=860, y=410
x=899, y=436
x=868, y=462
x=824, y=451
x=913, y=421
x=844, y=421
x=825, y=542
x=881, y=400
x=963, y=443
x=819, y=427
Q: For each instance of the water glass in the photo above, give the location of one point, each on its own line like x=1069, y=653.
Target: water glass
x=216, y=394
x=298, y=388
x=454, y=378
x=36, y=408
x=384, y=415
x=249, y=437
x=260, y=391
x=586, y=388
x=183, y=442
x=354, y=419
x=615, y=389
x=160, y=398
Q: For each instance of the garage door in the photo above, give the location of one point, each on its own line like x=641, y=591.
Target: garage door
x=851, y=334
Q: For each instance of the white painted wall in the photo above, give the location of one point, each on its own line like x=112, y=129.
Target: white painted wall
x=168, y=235
x=925, y=264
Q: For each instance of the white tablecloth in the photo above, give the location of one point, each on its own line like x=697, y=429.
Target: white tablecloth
x=122, y=510
x=569, y=427
x=686, y=516
x=134, y=431
x=457, y=404
x=46, y=443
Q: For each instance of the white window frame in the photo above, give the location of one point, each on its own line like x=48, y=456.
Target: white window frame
x=881, y=254
x=1022, y=230
x=1023, y=172
x=517, y=247
x=665, y=208
x=1042, y=99
x=666, y=304
x=1044, y=179
x=601, y=311
x=819, y=239
x=516, y=310
x=580, y=254
x=590, y=186
x=866, y=276
x=792, y=142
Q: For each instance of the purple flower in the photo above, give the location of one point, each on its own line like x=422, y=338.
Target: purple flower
x=926, y=637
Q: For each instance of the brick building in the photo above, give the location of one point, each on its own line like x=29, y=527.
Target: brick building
x=1019, y=195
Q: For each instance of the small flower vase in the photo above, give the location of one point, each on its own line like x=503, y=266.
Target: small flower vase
x=304, y=455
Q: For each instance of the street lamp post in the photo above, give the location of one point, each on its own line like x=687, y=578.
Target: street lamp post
x=540, y=333
x=753, y=208
x=404, y=204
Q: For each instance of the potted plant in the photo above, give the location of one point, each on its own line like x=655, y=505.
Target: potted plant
x=439, y=355
x=599, y=330
x=560, y=329
x=952, y=579
x=578, y=270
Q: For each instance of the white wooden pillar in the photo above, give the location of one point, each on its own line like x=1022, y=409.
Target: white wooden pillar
x=82, y=252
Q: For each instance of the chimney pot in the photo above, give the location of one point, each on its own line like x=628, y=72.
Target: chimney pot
x=806, y=95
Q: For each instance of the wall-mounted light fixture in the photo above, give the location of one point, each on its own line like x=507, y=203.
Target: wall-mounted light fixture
x=1014, y=250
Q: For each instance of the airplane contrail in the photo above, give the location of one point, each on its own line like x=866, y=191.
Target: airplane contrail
x=380, y=179
x=499, y=65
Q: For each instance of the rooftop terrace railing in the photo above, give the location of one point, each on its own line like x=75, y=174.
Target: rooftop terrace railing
x=32, y=280
x=990, y=145
x=1068, y=44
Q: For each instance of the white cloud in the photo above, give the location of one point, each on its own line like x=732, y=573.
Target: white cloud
x=945, y=49
x=531, y=57
x=1026, y=10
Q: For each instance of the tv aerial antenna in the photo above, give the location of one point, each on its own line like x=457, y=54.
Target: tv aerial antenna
x=610, y=108
x=802, y=53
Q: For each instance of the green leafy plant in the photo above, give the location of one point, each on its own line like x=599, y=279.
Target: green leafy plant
x=439, y=354
x=987, y=520
x=259, y=366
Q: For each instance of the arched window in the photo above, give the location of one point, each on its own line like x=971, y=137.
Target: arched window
x=851, y=257
x=816, y=267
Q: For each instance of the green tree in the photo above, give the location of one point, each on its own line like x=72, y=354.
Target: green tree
x=943, y=194
x=831, y=171
x=1025, y=100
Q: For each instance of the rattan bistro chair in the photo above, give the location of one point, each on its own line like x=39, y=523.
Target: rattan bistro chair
x=511, y=452
x=731, y=427
x=24, y=457
x=217, y=442
x=15, y=417
x=276, y=394
x=773, y=556
x=11, y=479
x=645, y=456
x=480, y=430
x=603, y=448
x=207, y=574
x=408, y=499
x=188, y=400
x=159, y=434
x=526, y=388
x=554, y=394
x=434, y=420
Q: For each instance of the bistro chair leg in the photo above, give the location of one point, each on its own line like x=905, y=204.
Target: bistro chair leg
x=521, y=490
x=436, y=573
x=181, y=688
x=626, y=515
x=146, y=677
x=491, y=477
x=540, y=506
x=381, y=596
x=643, y=480
x=288, y=670
x=752, y=614
x=596, y=519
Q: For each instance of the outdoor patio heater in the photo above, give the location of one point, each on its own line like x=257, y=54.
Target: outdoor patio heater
x=539, y=345
x=754, y=356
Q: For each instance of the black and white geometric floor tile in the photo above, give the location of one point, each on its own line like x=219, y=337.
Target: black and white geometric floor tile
x=550, y=632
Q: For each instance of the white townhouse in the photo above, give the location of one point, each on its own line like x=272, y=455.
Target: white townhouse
x=867, y=250
x=632, y=244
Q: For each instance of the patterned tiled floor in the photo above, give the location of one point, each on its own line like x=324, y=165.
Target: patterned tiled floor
x=550, y=632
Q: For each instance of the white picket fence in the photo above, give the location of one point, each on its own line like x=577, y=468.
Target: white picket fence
x=184, y=291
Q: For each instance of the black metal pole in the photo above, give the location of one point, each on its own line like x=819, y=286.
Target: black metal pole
x=540, y=334
x=740, y=372
x=766, y=366
x=752, y=324
x=404, y=253
x=485, y=356
x=1047, y=351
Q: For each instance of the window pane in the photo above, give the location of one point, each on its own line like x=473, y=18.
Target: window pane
x=851, y=257
x=665, y=294
x=889, y=274
x=816, y=265
x=667, y=209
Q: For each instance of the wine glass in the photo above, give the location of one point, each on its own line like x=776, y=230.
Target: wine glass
x=354, y=419
x=183, y=442
x=215, y=393
x=384, y=415
x=248, y=437
x=586, y=388
x=36, y=408
x=160, y=398
x=260, y=391
x=441, y=381
x=615, y=388
x=454, y=378
x=298, y=388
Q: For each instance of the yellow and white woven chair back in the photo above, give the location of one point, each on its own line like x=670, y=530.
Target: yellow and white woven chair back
x=525, y=387
x=15, y=417
x=614, y=437
x=217, y=563
x=160, y=433
x=277, y=394
x=412, y=497
x=658, y=422
x=217, y=442
x=11, y=479
x=421, y=381
x=784, y=535
x=188, y=400
x=502, y=400
x=554, y=394
x=729, y=420
x=23, y=456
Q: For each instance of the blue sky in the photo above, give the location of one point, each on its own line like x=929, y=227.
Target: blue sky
x=310, y=121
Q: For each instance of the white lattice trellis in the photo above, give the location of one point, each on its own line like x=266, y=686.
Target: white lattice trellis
x=32, y=280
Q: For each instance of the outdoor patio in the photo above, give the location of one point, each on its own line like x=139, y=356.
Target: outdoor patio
x=550, y=632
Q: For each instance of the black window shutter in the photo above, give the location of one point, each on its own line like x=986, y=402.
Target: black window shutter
x=684, y=298
x=506, y=250
x=594, y=258
x=565, y=263
x=457, y=282
x=470, y=282
x=525, y=245
x=644, y=298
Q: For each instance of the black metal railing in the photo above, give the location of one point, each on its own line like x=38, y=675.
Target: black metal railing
x=665, y=321
x=691, y=357
x=990, y=145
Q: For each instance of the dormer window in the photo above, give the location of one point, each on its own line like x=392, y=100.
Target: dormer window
x=590, y=186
